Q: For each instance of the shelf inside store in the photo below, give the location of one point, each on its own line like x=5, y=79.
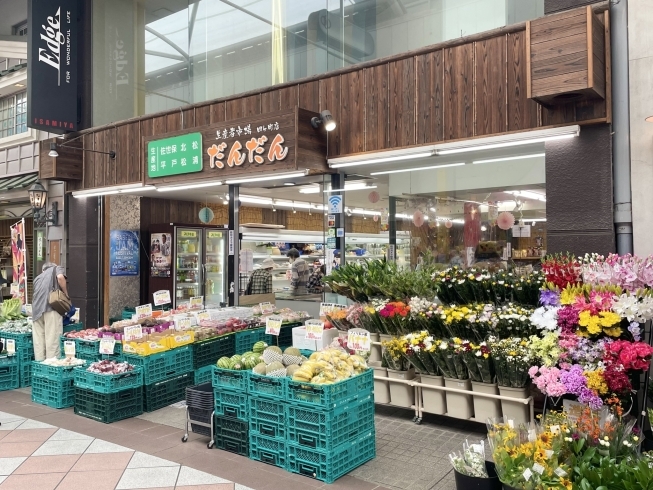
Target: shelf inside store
x=268, y=256
x=182, y=284
x=185, y=254
x=187, y=269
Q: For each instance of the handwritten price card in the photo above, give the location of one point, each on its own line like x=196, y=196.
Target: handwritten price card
x=107, y=346
x=133, y=333
x=273, y=325
x=69, y=348
x=328, y=308
x=197, y=302
x=203, y=315
x=358, y=340
x=144, y=311
x=162, y=298
x=182, y=323
x=266, y=308
x=314, y=329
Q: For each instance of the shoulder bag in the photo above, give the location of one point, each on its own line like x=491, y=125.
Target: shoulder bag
x=58, y=300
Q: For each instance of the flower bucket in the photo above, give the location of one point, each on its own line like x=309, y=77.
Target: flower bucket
x=384, y=338
x=381, y=388
x=402, y=395
x=375, y=350
x=517, y=411
x=433, y=401
x=486, y=407
x=464, y=482
x=458, y=405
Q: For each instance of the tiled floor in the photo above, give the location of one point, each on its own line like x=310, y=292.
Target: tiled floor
x=43, y=448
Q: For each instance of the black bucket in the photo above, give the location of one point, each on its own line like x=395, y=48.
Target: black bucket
x=464, y=482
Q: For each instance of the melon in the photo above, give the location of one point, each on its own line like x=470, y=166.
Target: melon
x=236, y=358
x=237, y=366
x=259, y=347
x=250, y=361
x=290, y=370
x=224, y=363
x=275, y=370
x=292, y=356
x=272, y=354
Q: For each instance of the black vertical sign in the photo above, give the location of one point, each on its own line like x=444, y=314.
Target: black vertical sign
x=52, y=65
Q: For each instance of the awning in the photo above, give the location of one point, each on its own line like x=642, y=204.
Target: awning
x=18, y=181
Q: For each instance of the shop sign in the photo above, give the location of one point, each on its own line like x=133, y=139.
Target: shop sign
x=53, y=65
x=197, y=302
x=40, y=245
x=175, y=156
x=331, y=243
x=214, y=234
x=144, y=311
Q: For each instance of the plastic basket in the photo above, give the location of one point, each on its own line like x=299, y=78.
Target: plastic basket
x=108, y=383
x=200, y=396
x=231, y=380
x=268, y=450
x=53, y=393
x=231, y=435
x=109, y=407
x=24, y=374
x=323, y=430
x=207, y=352
x=158, y=367
x=327, y=397
x=328, y=466
x=163, y=393
x=10, y=376
x=203, y=375
x=244, y=340
x=268, y=417
x=264, y=386
x=73, y=327
x=231, y=404
x=54, y=373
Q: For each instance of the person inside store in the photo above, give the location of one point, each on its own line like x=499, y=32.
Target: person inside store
x=47, y=323
x=315, y=284
x=261, y=280
x=300, y=272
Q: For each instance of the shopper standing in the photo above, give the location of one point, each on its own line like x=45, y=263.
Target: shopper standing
x=300, y=273
x=47, y=324
x=261, y=280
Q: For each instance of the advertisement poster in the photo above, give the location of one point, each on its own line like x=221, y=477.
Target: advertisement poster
x=123, y=253
x=19, y=257
x=160, y=256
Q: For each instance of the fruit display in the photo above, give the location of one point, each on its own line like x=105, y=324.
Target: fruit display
x=292, y=356
x=272, y=354
x=16, y=326
x=110, y=367
x=65, y=362
x=329, y=366
x=286, y=314
x=259, y=347
x=238, y=362
x=230, y=325
x=87, y=334
x=275, y=370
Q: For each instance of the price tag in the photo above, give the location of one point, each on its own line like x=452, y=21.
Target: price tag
x=314, y=330
x=560, y=472
x=182, y=324
x=549, y=453
x=133, y=333
x=555, y=429
x=69, y=348
x=10, y=346
x=14, y=290
x=538, y=468
x=162, y=298
x=203, y=315
x=107, y=346
x=273, y=325
x=266, y=308
x=527, y=474
x=144, y=311
x=197, y=302
x=358, y=340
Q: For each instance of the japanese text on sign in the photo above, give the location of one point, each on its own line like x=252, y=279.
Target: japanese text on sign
x=107, y=346
x=133, y=333
x=314, y=329
x=273, y=325
x=252, y=150
x=144, y=311
x=203, y=315
x=174, y=156
x=182, y=323
x=161, y=298
x=10, y=345
x=328, y=308
x=69, y=348
x=266, y=308
x=358, y=340
x=197, y=302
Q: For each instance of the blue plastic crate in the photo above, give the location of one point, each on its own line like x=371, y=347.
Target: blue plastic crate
x=203, y=375
x=268, y=450
x=54, y=373
x=158, y=367
x=328, y=466
x=230, y=379
x=24, y=374
x=231, y=404
x=328, y=397
x=264, y=386
x=244, y=340
x=53, y=393
x=323, y=430
x=9, y=376
x=108, y=383
x=268, y=417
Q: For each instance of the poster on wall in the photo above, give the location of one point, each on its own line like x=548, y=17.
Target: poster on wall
x=19, y=258
x=160, y=255
x=124, y=258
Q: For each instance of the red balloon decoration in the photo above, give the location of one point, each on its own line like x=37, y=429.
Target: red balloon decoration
x=448, y=223
x=374, y=197
x=376, y=218
x=418, y=218
x=505, y=220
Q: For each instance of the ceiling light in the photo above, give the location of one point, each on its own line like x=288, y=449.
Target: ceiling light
x=507, y=159
x=96, y=194
x=138, y=189
x=417, y=169
x=189, y=186
x=266, y=177
x=118, y=189
x=529, y=195
x=255, y=200
x=294, y=211
x=53, y=150
x=289, y=183
x=483, y=228
x=352, y=188
x=325, y=118
x=397, y=158
x=309, y=190
x=533, y=223
x=225, y=203
x=19, y=85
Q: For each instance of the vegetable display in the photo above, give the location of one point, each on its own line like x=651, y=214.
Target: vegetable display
x=110, y=367
x=11, y=309
x=65, y=362
x=16, y=326
x=329, y=366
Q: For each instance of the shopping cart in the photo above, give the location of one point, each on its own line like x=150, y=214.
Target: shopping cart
x=200, y=411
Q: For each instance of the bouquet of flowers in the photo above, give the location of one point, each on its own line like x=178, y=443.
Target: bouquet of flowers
x=512, y=321
x=561, y=270
x=395, y=317
x=526, y=289
x=633, y=356
x=440, y=354
x=471, y=461
x=512, y=360
x=484, y=362
x=547, y=348
x=547, y=380
x=460, y=321
x=370, y=319
x=466, y=351
x=426, y=315
x=417, y=346
x=338, y=318
x=393, y=354
x=455, y=359
x=635, y=307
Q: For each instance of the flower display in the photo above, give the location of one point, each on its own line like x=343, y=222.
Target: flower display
x=512, y=361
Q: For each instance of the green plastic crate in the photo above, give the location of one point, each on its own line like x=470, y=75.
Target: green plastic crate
x=109, y=407
x=207, y=352
x=328, y=397
x=323, y=430
x=268, y=450
x=163, y=393
x=285, y=335
x=24, y=374
x=23, y=340
x=264, y=386
x=162, y=366
x=53, y=393
x=73, y=327
x=268, y=417
x=9, y=375
x=108, y=383
x=54, y=373
x=231, y=404
x=328, y=466
x=203, y=375
x=230, y=379
x=231, y=435
x=244, y=340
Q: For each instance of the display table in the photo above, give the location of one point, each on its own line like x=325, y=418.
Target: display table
x=305, y=302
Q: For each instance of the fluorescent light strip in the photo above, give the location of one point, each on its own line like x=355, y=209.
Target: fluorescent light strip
x=351, y=189
x=425, y=154
x=189, y=186
x=96, y=194
x=506, y=144
x=138, y=189
x=417, y=169
x=309, y=190
x=118, y=189
x=267, y=177
x=528, y=195
x=507, y=159
x=255, y=200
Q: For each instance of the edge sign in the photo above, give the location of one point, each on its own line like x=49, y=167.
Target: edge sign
x=52, y=65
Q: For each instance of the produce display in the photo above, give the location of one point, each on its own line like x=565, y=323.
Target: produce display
x=87, y=334
x=286, y=314
x=16, y=326
x=110, y=367
x=222, y=327
x=329, y=366
x=266, y=361
x=65, y=362
x=10, y=309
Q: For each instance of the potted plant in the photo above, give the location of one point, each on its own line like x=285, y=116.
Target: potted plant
x=480, y=365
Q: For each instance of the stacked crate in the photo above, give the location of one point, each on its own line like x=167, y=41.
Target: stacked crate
x=53, y=386
x=207, y=352
x=231, y=428
x=9, y=373
x=24, y=354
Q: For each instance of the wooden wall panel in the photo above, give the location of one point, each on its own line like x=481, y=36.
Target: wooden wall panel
x=330, y=100
x=173, y=121
x=159, y=125
x=459, y=92
x=490, y=86
x=216, y=113
x=270, y=101
x=288, y=97
x=352, y=110
x=522, y=112
x=202, y=116
x=377, y=127
x=136, y=164
x=188, y=118
x=402, y=102
x=430, y=80
x=309, y=96
x=89, y=162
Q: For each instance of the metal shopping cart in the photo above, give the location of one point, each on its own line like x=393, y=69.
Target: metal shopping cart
x=200, y=412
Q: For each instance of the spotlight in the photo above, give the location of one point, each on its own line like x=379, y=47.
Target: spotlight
x=325, y=118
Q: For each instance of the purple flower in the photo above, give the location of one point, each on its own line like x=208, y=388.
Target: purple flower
x=592, y=399
x=635, y=331
x=567, y=319
x=573, y=380
x=549, y=298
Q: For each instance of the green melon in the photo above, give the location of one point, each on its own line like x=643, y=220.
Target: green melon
x=275, y=370
x=272, y=354
x=250, y=361
x=260, y=369
x=224, y=363
x=259, y=347
x=237, y=358
x=290, y=370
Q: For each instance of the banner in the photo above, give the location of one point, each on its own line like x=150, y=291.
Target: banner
x=123, y=253
x=160, y=257
x=19, y=257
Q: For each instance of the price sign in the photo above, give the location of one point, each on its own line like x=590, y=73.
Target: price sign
x=133, y=333
x=203, y=315
x=314, y=329
x=107, y=346
x=182, y=324
x=266, y=308
x=197, y=302
x=10, y=345
x=69, y=348
x=14, y=290
x=328, y=308
x=144, y=311
x=358, y=340
x=273, y=325
x=162, y=298
x=214, y=234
